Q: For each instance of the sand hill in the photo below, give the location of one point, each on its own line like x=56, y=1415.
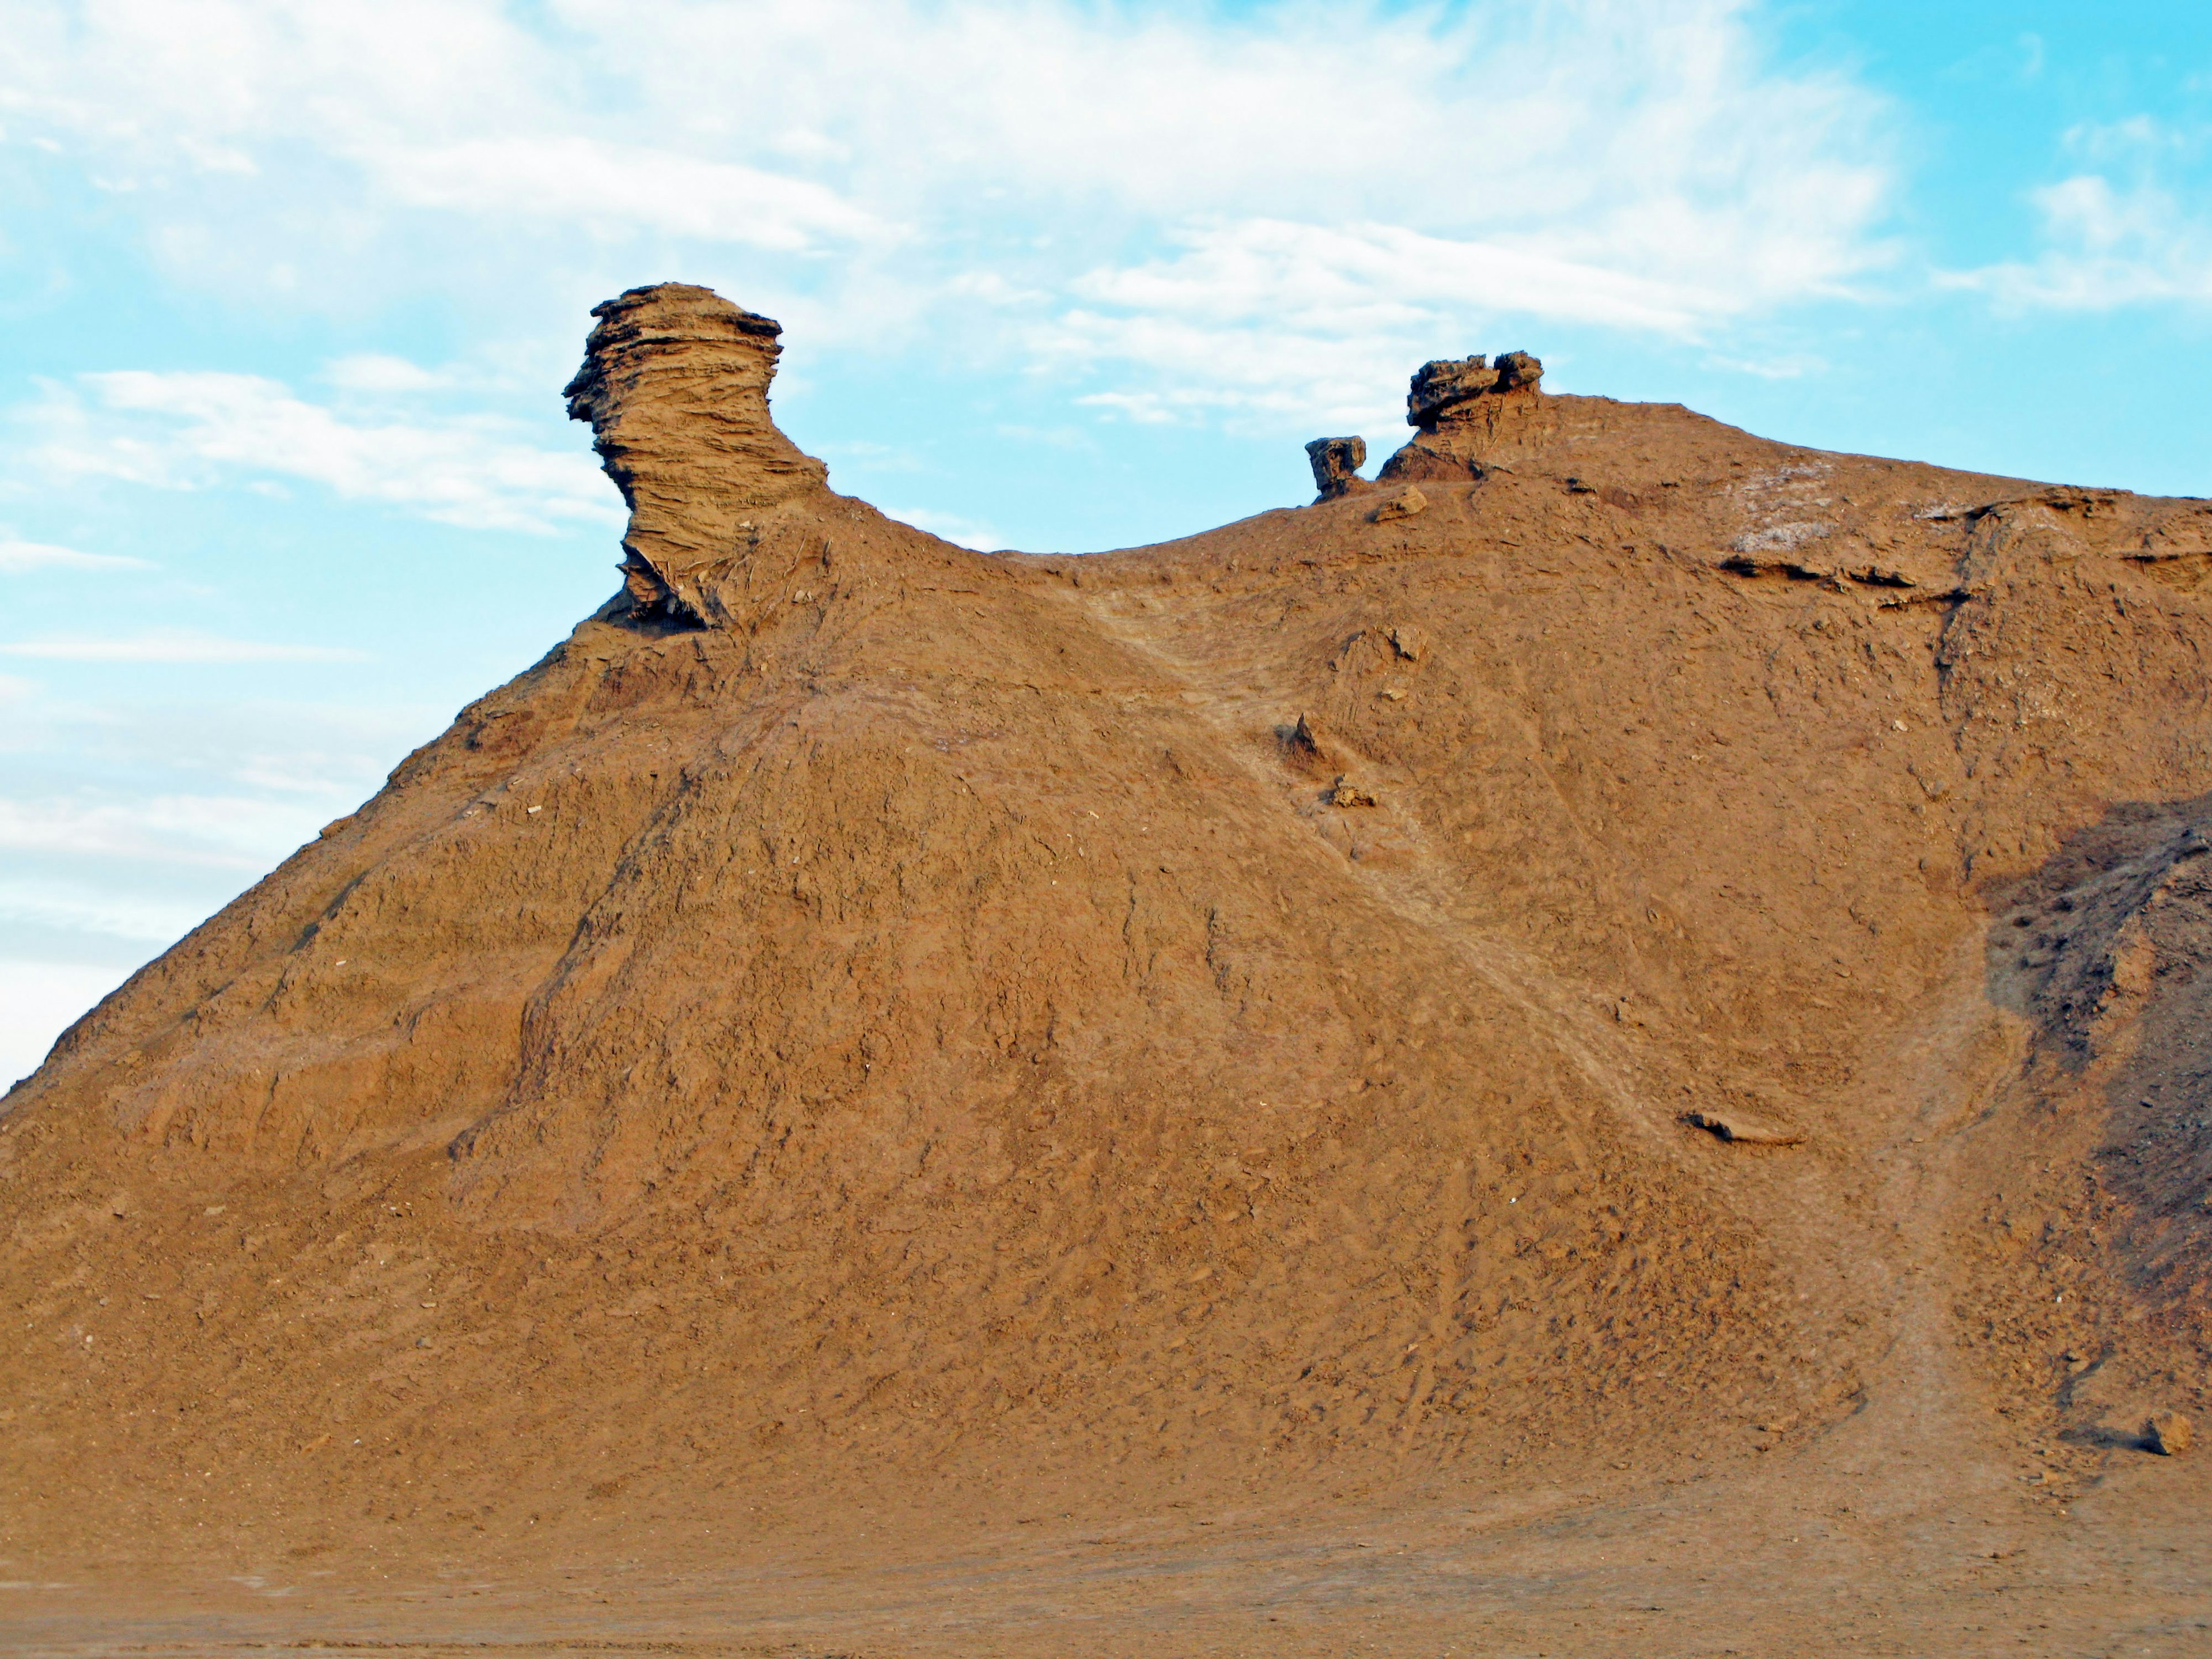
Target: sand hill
x=1595, y=1045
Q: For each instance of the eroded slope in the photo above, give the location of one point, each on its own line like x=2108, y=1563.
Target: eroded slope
x=863, y=1014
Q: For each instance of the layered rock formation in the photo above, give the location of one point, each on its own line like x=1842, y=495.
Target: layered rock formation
x=675, y=385
x=1464, y=409
x=1685, y=944
x=1442, y=390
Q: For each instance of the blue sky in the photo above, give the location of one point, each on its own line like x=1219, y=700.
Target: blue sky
x=289, y=294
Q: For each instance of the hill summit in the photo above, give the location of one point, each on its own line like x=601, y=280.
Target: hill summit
x=1618, y=959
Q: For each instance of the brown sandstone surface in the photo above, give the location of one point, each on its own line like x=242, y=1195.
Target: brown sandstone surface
x=1614, y=1063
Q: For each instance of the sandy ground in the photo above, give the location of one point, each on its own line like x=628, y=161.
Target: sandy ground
x=1862, y=1547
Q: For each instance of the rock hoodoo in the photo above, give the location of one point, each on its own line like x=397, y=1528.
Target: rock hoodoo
x=1336, y=464
x=675, y=383
x=1463, y=408
x=1441, y=388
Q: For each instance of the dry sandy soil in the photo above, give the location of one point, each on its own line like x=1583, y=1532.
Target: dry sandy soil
x=1599, y=1047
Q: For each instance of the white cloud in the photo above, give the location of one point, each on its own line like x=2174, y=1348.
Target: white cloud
x=861, y=454
x=2109, y=243
x=1270, y=317
x=1368, y=274
x=1129, y=181
x=281, y=744
x=178, y=647
x=615, y=188
x=108, y=876
x=2109, y=246
x=236, y=832
x=17, y=558
x=84, y=911
x=132, y=824
x=380, y=373
x=1795, y=366
x=961, y=531
x=189, y=429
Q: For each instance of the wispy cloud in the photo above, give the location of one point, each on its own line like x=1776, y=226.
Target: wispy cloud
x=79, y=910
x=121, y=831
x=380, y=373
x=1168, y=195
x=40, y=1000
x=1272, y=317
x=182, y=648
x=17, y=558
x=620, y=188
x=233, y=832
x=961, y=531
x=2124, y=231
x=193, y=429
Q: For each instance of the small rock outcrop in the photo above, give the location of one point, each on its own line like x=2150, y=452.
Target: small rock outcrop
x=1746, y=1128
x=2168, y=1434
x=1403, y=505
x=1305, y=748
x=1441, y=386
x=1336, y=464
x=1460, y=407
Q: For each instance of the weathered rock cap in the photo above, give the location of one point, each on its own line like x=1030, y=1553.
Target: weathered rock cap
x=675, y=379
x=1440, y=387
x=644, y=329
x=1336, y=464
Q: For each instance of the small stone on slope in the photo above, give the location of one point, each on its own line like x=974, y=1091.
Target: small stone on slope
x=1744, y=1127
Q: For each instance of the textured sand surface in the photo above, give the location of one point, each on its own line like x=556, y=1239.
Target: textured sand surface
x=889, y=1100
